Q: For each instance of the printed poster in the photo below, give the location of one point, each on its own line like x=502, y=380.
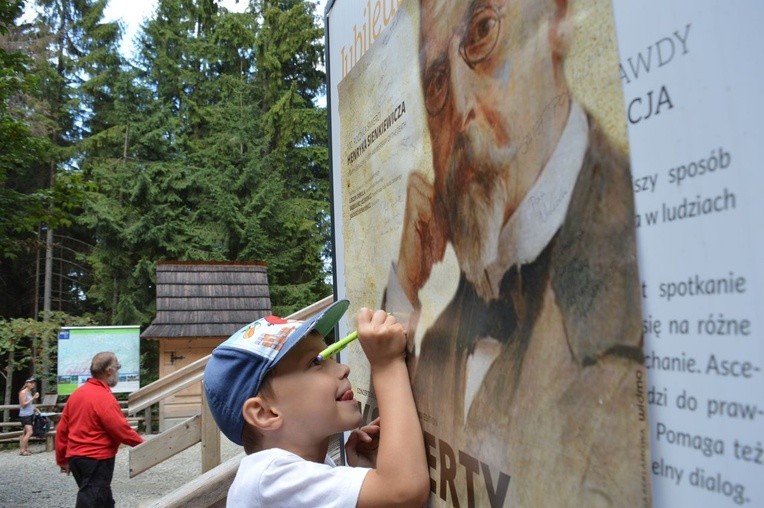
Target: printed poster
x=483, y=195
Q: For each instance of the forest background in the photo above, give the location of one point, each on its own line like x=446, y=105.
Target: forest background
x=206, y=145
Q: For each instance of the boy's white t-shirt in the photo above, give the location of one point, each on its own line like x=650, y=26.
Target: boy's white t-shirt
x=276, y=477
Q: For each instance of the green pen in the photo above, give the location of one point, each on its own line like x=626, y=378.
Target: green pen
x=336, y=347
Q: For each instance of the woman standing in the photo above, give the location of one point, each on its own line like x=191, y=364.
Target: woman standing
x=26, y=413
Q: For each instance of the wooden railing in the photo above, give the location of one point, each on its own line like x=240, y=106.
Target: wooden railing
x=11, y=430
x=211, y=487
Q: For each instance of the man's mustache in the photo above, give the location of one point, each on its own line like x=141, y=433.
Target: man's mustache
x=477, y=160
x=473, y=198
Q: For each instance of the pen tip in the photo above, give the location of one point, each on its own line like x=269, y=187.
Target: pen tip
x=320, y=358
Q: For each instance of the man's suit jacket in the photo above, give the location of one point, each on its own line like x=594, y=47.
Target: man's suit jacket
x=559, y=410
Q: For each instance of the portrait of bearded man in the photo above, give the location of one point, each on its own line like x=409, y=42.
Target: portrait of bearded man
x=535, y=366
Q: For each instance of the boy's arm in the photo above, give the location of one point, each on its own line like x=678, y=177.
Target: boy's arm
x=401, y=476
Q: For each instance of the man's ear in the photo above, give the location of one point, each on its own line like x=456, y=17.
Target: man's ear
x=559, y=33
x=261, y=414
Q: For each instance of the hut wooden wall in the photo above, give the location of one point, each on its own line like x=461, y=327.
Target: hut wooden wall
x=187, y=402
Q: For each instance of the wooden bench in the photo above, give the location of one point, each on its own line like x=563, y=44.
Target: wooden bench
x=50, y=438
x=50, y=401
x=7, y=437
x=13, y=437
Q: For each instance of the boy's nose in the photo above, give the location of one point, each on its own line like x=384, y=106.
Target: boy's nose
x=344, y=370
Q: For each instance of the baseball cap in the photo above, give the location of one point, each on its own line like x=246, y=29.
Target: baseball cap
x=236, y=368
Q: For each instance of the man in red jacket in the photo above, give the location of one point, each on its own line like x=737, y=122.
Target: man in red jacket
x=91, y=429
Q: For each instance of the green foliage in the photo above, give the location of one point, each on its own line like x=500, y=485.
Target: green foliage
x=21, y=207
x=286, y=217
x=223, y=155
x=24, y=338
x=208, y=146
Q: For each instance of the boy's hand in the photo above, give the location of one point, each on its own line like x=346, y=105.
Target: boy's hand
x=361, y=448
x=383, y=339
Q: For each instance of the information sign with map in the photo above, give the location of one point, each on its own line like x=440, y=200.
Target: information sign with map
x=78, y=345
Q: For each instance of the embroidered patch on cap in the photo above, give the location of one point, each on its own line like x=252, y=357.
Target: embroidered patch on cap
x=265, y=337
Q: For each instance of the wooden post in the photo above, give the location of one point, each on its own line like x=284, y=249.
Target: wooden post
x=210, y=438
x=147, y=420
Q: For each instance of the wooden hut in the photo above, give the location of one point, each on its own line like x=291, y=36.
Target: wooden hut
x=199, y=305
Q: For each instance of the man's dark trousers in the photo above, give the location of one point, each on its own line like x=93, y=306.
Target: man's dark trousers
x=94, y=480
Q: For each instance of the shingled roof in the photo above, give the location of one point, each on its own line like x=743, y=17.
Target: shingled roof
x=209, y=299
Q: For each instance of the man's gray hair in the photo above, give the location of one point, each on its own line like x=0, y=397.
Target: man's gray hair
x=101, y=363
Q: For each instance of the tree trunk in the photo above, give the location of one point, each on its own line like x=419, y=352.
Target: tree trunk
x=124, y=147
x=9, y=385
x=47, y=290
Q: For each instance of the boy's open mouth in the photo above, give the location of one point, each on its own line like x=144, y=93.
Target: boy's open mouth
x=348, y=395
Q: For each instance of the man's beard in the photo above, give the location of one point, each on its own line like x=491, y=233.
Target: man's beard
x=475, y=198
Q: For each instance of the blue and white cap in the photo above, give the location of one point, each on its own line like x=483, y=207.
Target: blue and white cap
x=236, y=369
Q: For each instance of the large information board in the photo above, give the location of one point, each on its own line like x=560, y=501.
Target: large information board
x=672, y=326
x=693, y=88
x=78, y=345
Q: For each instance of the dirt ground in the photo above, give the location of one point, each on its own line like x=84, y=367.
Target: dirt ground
x=35, y=480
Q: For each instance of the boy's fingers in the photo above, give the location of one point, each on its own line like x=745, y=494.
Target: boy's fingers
x=364, y=316
x=371, y=430
x=359, y=434
x=380, y=317
x=375, y=319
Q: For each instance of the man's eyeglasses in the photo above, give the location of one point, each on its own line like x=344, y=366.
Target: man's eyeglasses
x=478, y=42
x=116, y=366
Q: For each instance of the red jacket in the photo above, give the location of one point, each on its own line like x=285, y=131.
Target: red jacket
x=92, y=425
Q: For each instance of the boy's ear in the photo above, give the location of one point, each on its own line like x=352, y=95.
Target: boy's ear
x=261, y=414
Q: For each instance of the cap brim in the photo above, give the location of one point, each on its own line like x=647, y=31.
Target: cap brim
x=323, y=322
x=329, y=318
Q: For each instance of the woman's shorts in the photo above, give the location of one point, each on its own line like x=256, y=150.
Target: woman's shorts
x=26, y=420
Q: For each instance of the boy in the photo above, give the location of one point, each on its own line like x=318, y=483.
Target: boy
x=268, y=392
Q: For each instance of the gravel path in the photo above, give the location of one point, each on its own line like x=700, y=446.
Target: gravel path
x=35, y=481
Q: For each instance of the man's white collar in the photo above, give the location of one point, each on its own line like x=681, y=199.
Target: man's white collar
x=542, y=211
